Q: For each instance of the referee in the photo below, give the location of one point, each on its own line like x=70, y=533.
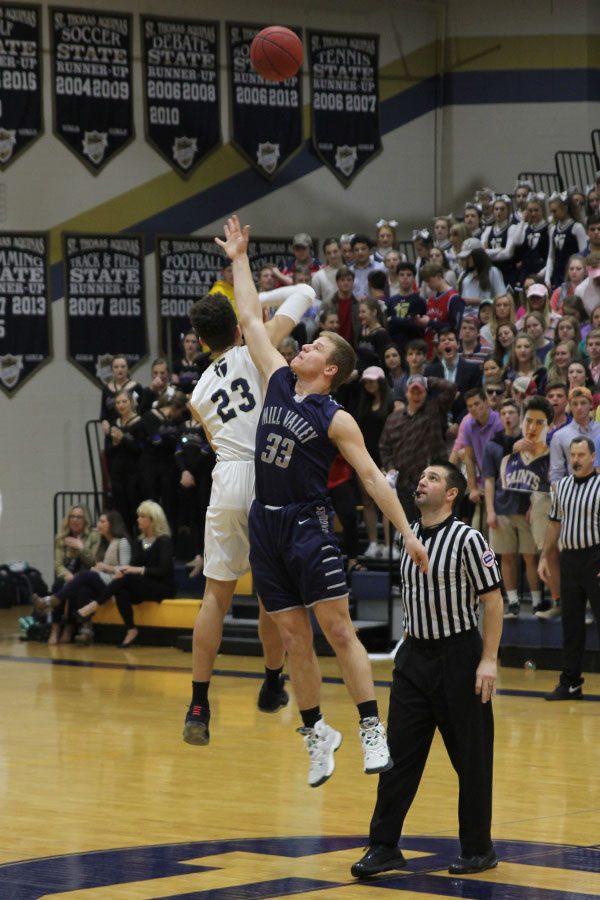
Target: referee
x=575, y=526
x=444, y=677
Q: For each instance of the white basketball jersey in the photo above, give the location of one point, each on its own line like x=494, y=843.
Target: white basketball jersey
x=229, y=399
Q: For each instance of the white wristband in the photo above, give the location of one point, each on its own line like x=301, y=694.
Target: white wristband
x=278, y=295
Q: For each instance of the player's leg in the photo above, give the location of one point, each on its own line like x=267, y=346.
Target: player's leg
x=272, y=695
x=320, y=740
x=334, y=618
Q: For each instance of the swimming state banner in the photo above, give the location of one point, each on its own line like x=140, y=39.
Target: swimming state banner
x=21, y=121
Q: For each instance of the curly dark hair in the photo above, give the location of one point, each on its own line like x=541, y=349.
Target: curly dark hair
x=214, y=321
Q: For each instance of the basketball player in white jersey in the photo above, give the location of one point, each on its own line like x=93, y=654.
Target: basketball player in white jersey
x=227, y=401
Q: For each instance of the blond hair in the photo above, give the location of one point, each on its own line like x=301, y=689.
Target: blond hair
x=156, y=515
x=343, y=356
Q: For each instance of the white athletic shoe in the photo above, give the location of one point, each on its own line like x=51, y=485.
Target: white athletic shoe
x=550, y=613
x=321, y=742
x=373, y=551
x=375, y=747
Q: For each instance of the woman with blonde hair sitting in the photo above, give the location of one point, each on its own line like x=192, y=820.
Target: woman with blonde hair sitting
x=150, y=576
x=75, y=546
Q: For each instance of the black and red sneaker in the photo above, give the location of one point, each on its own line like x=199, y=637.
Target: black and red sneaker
x=195, y=730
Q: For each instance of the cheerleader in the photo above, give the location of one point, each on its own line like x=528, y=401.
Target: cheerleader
x=567, y=236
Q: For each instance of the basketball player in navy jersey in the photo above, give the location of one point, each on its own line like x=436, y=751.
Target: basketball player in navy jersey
x=295, y=558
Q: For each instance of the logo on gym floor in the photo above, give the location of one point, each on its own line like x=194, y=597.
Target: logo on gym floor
x=279, y=867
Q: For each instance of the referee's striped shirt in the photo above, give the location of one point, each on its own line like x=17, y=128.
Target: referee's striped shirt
x=576, y=505
x=462, y=566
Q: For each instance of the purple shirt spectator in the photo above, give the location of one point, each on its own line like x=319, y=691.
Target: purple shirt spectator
x=478, y=436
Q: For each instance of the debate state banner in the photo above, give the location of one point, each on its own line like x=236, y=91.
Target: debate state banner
x=344, y=71
x=104, y=301
x=92, y=82
x=25, y=316
x=266, y=115
x=187, y=268
x=21, y=121
x=181, y=89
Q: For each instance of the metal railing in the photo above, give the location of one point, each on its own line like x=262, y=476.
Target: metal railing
x=94, y=501
x=548, y=182
x=576, y=168
x=94, y=438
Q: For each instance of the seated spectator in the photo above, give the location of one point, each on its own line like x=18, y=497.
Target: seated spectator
x=589, y=289
x=484, y=317
x=289, y=347
x=506, y=336
x=120, y=381
x=469, y=343
x=575, y=274
x=345, y=304
x=592, y=325
x=346, y=249
x=392, y=260
x=303, y=255
x=374, y=338
x=158, y=471
x=591, y=202
x=495, y=391
x=406, y=310
x=363, y=264
x=538, y=301
x=150, y=576
x=492, y=371
x=559, y=360
x=160, y=386
x=458, y=235
x=385, y=239
x=444, y=306
x=377, y=282
x=453, y=368
x=186, y=373
x=579, y=375
x=124, y=447
x=75, y=546
x=324, y=281
x=535, y=326
x=557, y=395
x=416, y=360
x=414, y=436
x=525, y=363
x=480, y=279
x=439, y=258
x=112, y=550
x=592, y=347
x=502, y=313
x=394, y=369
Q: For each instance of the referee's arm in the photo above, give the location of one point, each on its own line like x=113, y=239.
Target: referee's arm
x=550, y=542
x=487, y=670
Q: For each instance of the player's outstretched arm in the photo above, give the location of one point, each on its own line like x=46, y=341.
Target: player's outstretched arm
x=266, y=359
x=347, y=436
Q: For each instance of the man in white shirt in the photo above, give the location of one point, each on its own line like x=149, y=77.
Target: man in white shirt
x=323, y=281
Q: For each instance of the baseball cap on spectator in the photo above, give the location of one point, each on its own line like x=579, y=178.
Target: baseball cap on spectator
x=580, y=391
x=468, y=246
x=417, y=379
x=302, y=240
x=372, y=373
x=537, y=290
x=487, y=301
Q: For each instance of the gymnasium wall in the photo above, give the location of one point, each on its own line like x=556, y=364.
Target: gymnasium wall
x=520, y=80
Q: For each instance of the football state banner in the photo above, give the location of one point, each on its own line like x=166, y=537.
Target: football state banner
x=21, y=120
x=187, y=268
x=25, y=316
x=91, y=82
x=344, y=69
x=266, y=115
x=181, y=89
x=104, y=301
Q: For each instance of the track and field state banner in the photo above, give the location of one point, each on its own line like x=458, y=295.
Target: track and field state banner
x=25, y=317
x=104, y=301
x=187, y=268
x=344, y=71
x=181, y=89
x=20, y=79
x=266, y=115
x=91, y=82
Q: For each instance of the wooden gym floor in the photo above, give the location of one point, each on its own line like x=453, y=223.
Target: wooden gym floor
x=101, y=799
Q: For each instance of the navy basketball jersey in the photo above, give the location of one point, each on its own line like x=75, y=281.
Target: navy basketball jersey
x=293, y=452
x=524, y=475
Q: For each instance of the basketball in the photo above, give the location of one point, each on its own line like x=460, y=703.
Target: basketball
x=276, y=53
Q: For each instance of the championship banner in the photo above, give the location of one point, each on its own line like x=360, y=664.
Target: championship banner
x=181, y=89
x=187, y=268
x=25, y=314
x=20, y=79
x=344, y=71
x=104, y=301
x=91, y=82
x=266, y=115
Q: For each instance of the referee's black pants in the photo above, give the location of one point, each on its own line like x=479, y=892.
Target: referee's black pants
x=434, y=686
x=578, y=584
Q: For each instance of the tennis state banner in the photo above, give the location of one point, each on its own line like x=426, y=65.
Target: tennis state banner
x=181, y=89
x=21, y=120
x=91, y=82
x=187, y=267
x=266, y=115
x=104, y=301
x=25, y=317
x=344, y=71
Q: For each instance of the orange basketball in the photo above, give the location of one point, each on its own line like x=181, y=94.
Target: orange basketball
x=276, y=53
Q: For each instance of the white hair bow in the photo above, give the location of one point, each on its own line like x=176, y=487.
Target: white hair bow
x=421, y=233
x=558, y=195
x=504, y=197
x=391, y=222
x=589, y=188
x=476, y=206
x=539, y=196
x=523, y=183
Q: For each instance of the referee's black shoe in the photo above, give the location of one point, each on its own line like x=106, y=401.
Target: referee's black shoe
x=566, y=691
x=195, y=730
x=378, y=858
x=269, y=700
x=468, y=865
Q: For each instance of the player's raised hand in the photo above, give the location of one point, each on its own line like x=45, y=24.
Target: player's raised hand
x=236, y=238
x=417, y=552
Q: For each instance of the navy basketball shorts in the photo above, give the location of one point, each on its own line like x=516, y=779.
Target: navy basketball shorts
x=294, y=555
